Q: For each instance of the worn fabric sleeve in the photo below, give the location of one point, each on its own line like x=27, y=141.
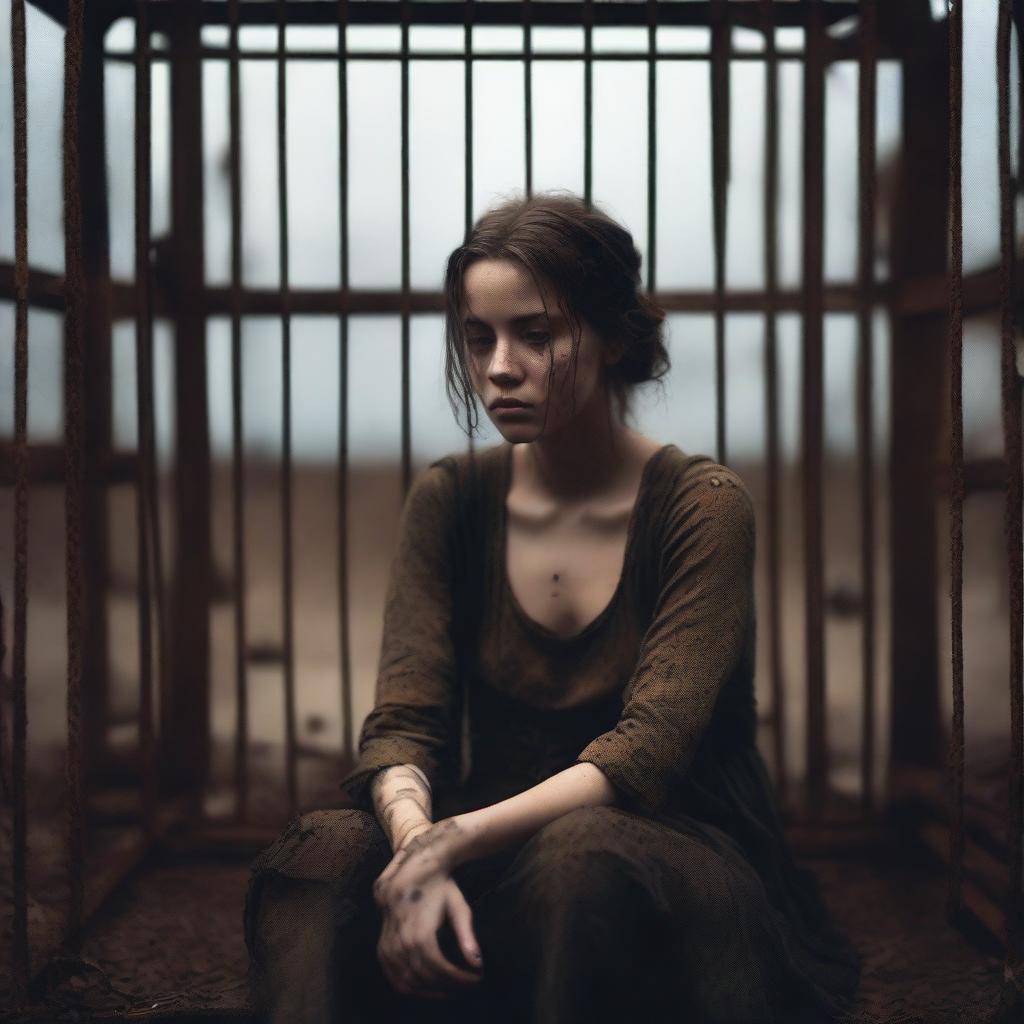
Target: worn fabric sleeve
x=694, y=643
x=417, y=708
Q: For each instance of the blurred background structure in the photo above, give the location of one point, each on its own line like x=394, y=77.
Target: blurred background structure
x=224, y=227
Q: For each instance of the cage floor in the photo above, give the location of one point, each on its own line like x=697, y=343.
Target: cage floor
x=170, y=941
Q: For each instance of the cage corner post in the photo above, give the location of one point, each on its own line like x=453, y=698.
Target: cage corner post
x=184, y=703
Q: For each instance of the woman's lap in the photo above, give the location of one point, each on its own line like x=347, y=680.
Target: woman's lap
x=614, y=916
x=598, y=914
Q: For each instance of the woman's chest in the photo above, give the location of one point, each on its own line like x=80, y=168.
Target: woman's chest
x=589, y=658
x=564, y=573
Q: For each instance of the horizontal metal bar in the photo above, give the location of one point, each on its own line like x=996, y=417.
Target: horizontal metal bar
x=46, y=464
x=48, y=294
x=922, y=794
x=332, y=302
x=987, y=871
x=45, y=288
x=931, y=294
x=925, y=295
x=975, y=901
x=979, y=475
x=741, y=13
x=221, y=53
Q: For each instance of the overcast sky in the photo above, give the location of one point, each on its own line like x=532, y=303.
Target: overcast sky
x=685, y=413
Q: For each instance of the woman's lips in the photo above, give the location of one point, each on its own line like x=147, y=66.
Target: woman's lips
x=507, y=409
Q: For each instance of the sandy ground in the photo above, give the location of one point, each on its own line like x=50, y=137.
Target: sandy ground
x=375, y=501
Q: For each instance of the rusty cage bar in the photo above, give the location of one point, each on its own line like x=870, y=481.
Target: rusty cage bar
x=925, y=298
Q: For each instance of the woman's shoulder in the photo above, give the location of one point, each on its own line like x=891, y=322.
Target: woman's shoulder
x=460, y=468
x=699, y=475
x=696, y=487
x=455, y=481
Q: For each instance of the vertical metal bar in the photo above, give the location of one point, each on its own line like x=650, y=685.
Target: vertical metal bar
x=343, y=469
x=150, y=454
x=20, y=955
x=143, y=415
x=1011, y=395
x=1017, y=14
x=652, y=142
x=287, y=596
x=406, y=436
x=468, y=109
x=528, y=92
x=812, y=387
x=956, y=459
x=237, y=420
x=866, y=118
x=185, y=703
x=771, y=234
x=720, y=29
x=147, y=438
x=588, y=98
x=74, y=476
x=918, y=400
x=468, y=137
x=98, y=393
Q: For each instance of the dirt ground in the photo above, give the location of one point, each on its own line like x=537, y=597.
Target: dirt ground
x=171, y=935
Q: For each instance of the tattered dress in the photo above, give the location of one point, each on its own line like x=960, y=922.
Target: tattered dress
x=680, y=902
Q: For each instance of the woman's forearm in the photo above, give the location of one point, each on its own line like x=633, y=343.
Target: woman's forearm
x=402, y=801
x=488, y=829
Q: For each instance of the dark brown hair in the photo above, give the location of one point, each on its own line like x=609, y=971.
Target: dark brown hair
x=589, y=261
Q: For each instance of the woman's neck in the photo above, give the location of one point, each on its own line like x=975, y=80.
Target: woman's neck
x=587, y=456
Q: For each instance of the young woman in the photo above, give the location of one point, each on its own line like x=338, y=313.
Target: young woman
x=559, y=812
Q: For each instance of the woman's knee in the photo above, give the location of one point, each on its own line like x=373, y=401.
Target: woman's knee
x=308, y=891
x=321, y=856
x=584, y=832
x=326, y=844
x=577, y=855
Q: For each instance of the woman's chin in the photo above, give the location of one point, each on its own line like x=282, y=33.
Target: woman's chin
x=515, y=433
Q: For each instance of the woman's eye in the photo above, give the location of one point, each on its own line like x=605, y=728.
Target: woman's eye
x=533, y=337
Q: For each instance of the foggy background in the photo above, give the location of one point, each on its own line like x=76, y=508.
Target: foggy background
x=684, y=415
x=684, y=242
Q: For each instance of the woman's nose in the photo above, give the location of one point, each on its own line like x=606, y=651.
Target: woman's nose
x=503, y=361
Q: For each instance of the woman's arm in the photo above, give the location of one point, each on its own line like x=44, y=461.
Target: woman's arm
x=402, y=802
x=477, y=833
x=416, y=715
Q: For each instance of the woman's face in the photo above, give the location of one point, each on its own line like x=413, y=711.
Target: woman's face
x=510, y=345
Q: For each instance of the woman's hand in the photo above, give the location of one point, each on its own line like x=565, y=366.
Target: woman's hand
x=416, y=895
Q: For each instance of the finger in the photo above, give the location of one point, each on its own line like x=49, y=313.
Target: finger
x=444, y=970
x=461, y=916
x=387, y=969
x=419, y=976
x=413, y=983
x=396, y=960
x=410, y=984
x=415, y=976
